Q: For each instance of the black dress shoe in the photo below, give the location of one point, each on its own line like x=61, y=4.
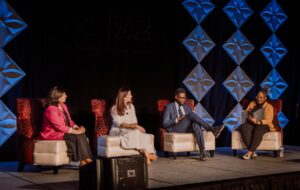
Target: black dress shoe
x=202, y=157
x=218, y=129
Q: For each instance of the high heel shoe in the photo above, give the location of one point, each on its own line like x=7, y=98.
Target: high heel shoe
x=148, y=158
x=152, y=157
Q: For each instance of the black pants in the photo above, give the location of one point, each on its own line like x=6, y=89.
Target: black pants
x=192, y=123
x=78, y=147
x=253, y=134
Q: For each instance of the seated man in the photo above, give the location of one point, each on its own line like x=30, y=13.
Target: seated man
x=178, y=117
x=253, y=130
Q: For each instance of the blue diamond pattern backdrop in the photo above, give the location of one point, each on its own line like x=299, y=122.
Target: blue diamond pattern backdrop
x=238, y=12
x=10, y=26
x=198, y=43
x=238, y=47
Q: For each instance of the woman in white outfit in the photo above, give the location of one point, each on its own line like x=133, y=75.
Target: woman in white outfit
x=126, y=126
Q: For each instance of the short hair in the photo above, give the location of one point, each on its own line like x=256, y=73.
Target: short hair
x=264, y=91
x=180, y=90
x=54, y=94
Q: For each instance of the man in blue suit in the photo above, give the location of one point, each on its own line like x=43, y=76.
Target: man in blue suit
x=178, y=117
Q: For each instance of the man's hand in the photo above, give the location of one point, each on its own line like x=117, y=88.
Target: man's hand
x=180, y=118
x=253, y=120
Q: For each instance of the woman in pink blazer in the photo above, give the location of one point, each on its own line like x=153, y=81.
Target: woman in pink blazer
x=58, y=125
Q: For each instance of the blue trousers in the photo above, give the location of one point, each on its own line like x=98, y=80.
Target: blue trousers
x=192, y=123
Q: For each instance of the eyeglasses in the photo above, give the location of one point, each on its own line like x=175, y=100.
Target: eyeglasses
x=181, y=97
x=260, y=97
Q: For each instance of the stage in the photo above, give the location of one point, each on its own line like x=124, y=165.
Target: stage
x=223, y=171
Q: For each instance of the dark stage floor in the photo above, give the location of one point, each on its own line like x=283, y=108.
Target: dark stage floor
x=164, y=173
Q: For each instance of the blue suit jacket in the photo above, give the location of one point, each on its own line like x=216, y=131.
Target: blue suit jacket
x=171, y=113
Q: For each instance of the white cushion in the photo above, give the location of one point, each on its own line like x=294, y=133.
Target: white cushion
x=50, y=146
x=271, y=141
x=50, y=152
x=186, y=142
x=110, y=146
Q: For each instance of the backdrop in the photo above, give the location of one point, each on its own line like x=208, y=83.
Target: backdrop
x=92, y=50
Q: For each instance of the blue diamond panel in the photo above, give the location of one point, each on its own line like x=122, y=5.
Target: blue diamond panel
x=282, y=120
x=238, y=84
x=273, y=15
x=275, y=85
x=10, y=73
x=238, y=47
x=198, y=82
x=203, y=114
x=7, y=123
x=273, y=50
x=198, y=9
x=234, y=118
x=238, y=12
x=198, y=43
x=10, y=23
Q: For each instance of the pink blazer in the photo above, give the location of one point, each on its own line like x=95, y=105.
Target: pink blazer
x=54, y=126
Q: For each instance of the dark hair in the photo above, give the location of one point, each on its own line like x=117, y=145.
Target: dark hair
x=180, y=90
x=264, y=91
x=119, y=102
x=54, y=94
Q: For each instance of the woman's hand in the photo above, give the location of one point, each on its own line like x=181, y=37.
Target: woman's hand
x=141, y=128
x=253, y=120
x=78, y=130
x=76, y=127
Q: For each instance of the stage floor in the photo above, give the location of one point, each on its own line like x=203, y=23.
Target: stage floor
x=165, y=172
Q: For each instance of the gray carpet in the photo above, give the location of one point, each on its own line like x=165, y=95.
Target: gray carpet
x=162, y=173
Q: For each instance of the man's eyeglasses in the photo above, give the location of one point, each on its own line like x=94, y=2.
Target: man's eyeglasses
x=181, y=97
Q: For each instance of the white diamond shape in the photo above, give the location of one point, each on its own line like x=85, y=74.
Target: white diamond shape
x=238, y=84
x=203, y=114
x=234, y=118
x=198, y=82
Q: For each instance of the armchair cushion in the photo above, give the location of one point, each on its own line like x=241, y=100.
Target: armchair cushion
x=161, y=103
x=186, y=142
x=110, y=146
x=50, y=152
x=271, y=141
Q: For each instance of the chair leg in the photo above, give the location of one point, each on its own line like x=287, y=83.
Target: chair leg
x=212, y=153
x=55, y=169
x=276, y=153
x=234, y=152
x=174, y=155
x=21, y=166
x=188, y=153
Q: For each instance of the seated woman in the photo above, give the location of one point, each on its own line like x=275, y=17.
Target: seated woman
x=253, y=130
x=125, y=125
x=58, y=125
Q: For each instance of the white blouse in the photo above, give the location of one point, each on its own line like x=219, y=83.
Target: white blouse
x=128, y=117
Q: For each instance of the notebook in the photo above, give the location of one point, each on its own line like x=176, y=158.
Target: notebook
x=259, y=115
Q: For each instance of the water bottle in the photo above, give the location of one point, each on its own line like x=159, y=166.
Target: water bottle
x=281, y=153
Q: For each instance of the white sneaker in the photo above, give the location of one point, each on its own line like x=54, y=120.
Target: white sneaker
x=247, y=157
x=254, y=155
